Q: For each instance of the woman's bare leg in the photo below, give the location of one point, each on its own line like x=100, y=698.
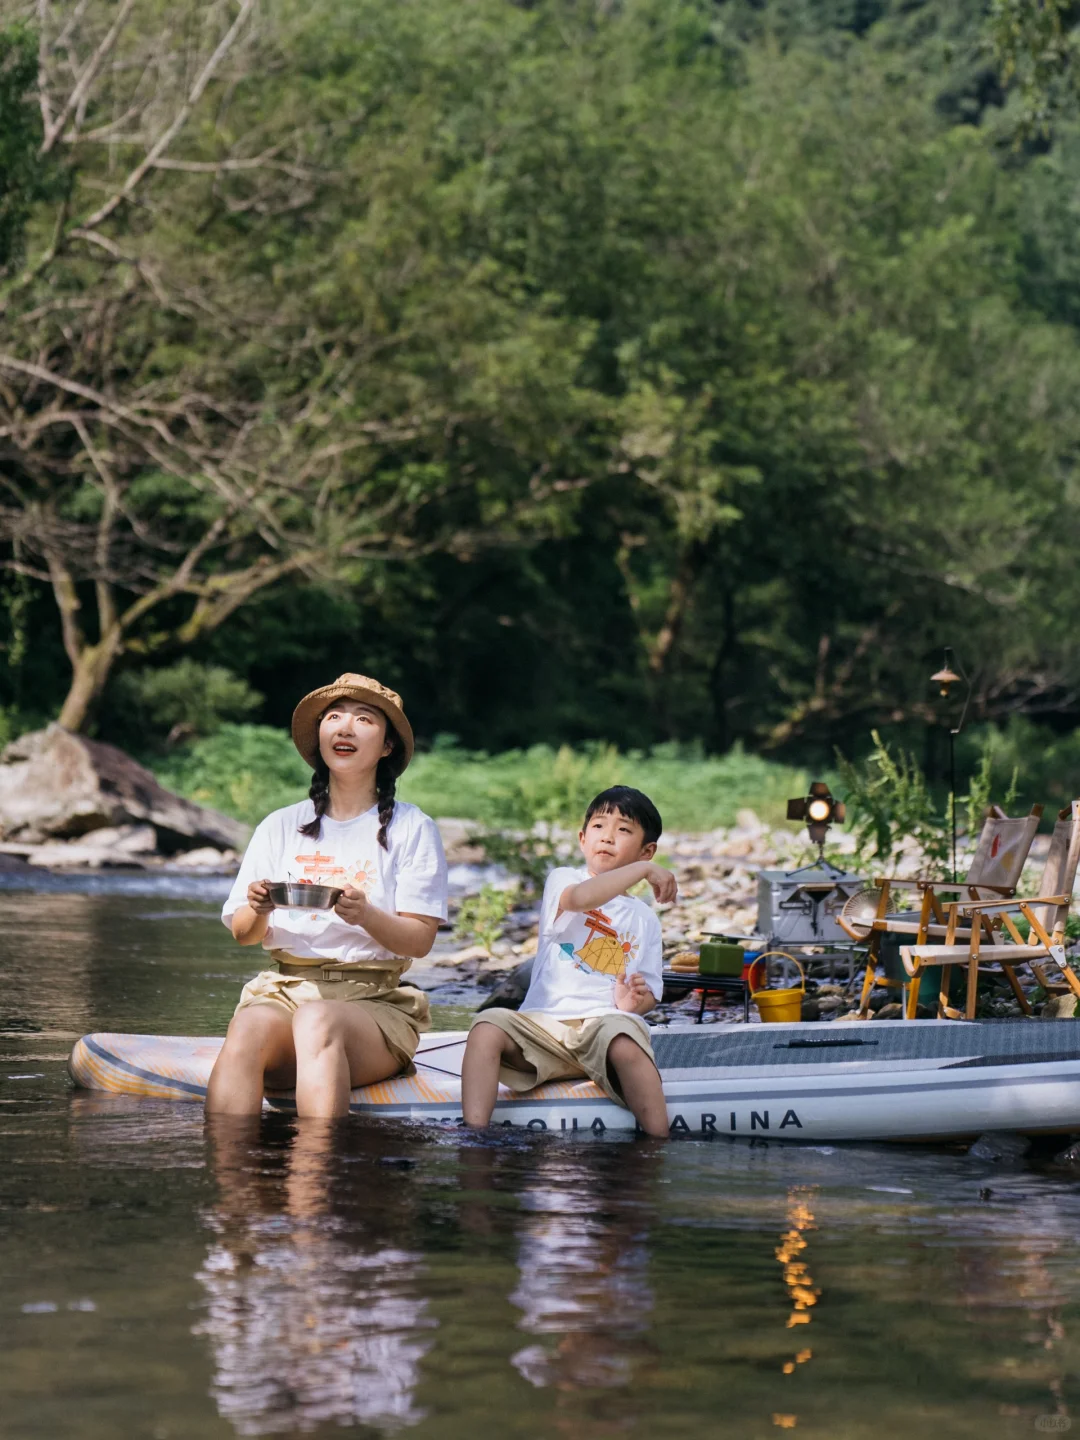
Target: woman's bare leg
x=338, y=1045
x=487, y=1047
x=259, y=1039
x=639, y=1081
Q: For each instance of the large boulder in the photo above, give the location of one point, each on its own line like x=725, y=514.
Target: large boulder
x=511, y=989
x=57, y=786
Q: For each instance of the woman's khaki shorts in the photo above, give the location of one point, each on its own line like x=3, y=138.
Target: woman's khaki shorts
x=400, y=1014
x=565, y=1049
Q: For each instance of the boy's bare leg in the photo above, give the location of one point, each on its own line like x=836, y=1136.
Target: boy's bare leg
x=639, y=1081
x=486, y=1049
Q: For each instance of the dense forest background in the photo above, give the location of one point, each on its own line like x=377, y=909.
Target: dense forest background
x=667, y=370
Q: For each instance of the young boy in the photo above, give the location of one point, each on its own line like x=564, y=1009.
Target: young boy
x=597, y=971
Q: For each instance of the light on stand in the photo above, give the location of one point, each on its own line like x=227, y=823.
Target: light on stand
x=819, y=810
x=943, y=679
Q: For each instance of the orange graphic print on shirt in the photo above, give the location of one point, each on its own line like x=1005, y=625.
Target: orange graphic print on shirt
x=605, y=952
x=319, y=869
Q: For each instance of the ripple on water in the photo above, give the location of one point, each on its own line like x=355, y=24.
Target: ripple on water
x=276, y=1277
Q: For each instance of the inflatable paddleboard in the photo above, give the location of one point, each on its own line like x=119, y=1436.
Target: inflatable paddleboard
x=873, y=1080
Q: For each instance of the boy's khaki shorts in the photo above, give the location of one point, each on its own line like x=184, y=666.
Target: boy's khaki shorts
x=565, y=1049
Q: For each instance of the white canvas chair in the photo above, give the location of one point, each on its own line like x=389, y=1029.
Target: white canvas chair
x=994, y=873
x=993, y=938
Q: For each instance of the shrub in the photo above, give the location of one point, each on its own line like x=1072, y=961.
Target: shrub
x=520, y=788
x=179, y=702
x=481, y=916
x=248, y=770
x=244, y=770
x=889, y=801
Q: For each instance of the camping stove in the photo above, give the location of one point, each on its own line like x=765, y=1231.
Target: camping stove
x=799, y=907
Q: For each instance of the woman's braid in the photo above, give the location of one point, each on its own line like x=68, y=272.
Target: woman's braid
x=385, y=785
x=319, y=795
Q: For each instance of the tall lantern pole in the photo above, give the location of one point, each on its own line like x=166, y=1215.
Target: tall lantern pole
x=943, y=679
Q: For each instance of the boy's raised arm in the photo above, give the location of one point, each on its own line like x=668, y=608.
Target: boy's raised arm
x=599, y=889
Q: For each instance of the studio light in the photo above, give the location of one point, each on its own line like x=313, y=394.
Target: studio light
x=819, y=809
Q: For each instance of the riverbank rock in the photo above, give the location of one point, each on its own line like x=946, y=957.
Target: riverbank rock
x=1069, y=1157
x=1059, y=1007
x=1001, y=1147
x=55, y=786
x=458, y=840
x=112, y=845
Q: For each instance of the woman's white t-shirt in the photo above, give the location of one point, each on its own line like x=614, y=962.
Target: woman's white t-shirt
x=409, y=878
x=580, y=955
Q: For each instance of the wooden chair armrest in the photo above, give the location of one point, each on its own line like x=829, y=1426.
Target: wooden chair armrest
x=1014, y=904
x=896, y=880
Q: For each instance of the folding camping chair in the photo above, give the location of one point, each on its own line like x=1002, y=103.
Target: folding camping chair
x=994, y=873
x=1045, y=913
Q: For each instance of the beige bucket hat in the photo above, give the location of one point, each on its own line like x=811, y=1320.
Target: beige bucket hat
x=305, y=720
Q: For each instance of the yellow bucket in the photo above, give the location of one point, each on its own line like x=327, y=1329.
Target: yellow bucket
x=779, y=1006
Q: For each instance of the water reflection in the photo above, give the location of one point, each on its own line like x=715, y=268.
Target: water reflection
x=1020, y=1276
x=791, y=1254
x=314, y=1314
x=583, y=1285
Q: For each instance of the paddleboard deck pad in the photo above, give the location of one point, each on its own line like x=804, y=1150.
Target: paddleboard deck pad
x=874, y=1080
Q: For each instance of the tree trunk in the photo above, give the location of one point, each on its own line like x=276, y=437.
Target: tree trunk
x=89, y=674
x=691, y=564
x=662, y=652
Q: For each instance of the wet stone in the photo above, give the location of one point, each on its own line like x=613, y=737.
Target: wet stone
x=1000, y=1148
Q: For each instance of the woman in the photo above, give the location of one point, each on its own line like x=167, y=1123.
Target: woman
x=332, y=1015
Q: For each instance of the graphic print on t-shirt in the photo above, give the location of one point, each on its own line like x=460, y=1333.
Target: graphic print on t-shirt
x=319, y=869
x=605, y=952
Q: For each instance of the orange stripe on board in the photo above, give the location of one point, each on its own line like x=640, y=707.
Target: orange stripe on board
x=568, y=1090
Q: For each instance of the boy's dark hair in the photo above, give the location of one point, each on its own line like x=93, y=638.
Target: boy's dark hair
x=622, y=800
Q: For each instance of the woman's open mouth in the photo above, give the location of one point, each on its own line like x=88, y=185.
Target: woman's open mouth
x=343, y=747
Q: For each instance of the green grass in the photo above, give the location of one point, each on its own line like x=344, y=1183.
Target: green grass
x=249, y=770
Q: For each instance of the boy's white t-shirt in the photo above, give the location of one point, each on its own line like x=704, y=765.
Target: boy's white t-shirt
x=410, y=877
x=580, y=955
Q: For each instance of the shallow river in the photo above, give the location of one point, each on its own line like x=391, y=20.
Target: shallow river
x=159, y=1280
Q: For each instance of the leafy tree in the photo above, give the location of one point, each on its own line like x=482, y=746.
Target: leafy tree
x=640, y=372
x=1037, y=43
x=202, y=395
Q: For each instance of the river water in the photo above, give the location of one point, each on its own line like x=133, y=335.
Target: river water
x=161, y=1280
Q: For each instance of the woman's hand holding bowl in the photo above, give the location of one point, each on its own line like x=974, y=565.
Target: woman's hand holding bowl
x=353, y=906
x=258, y=897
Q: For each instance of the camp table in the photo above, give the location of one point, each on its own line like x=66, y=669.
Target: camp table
x=733, y=985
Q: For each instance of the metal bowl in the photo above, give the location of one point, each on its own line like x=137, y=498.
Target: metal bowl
x=291, y=896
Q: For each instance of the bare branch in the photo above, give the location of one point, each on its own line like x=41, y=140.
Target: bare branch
x=179, y=120
x=86, y=79
x=43, y=50
x=111, y=503
x=67, y=602
x=73, y=20
x=73, y=387
x=232, y=591
x=103, y=133
x=20, y=567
